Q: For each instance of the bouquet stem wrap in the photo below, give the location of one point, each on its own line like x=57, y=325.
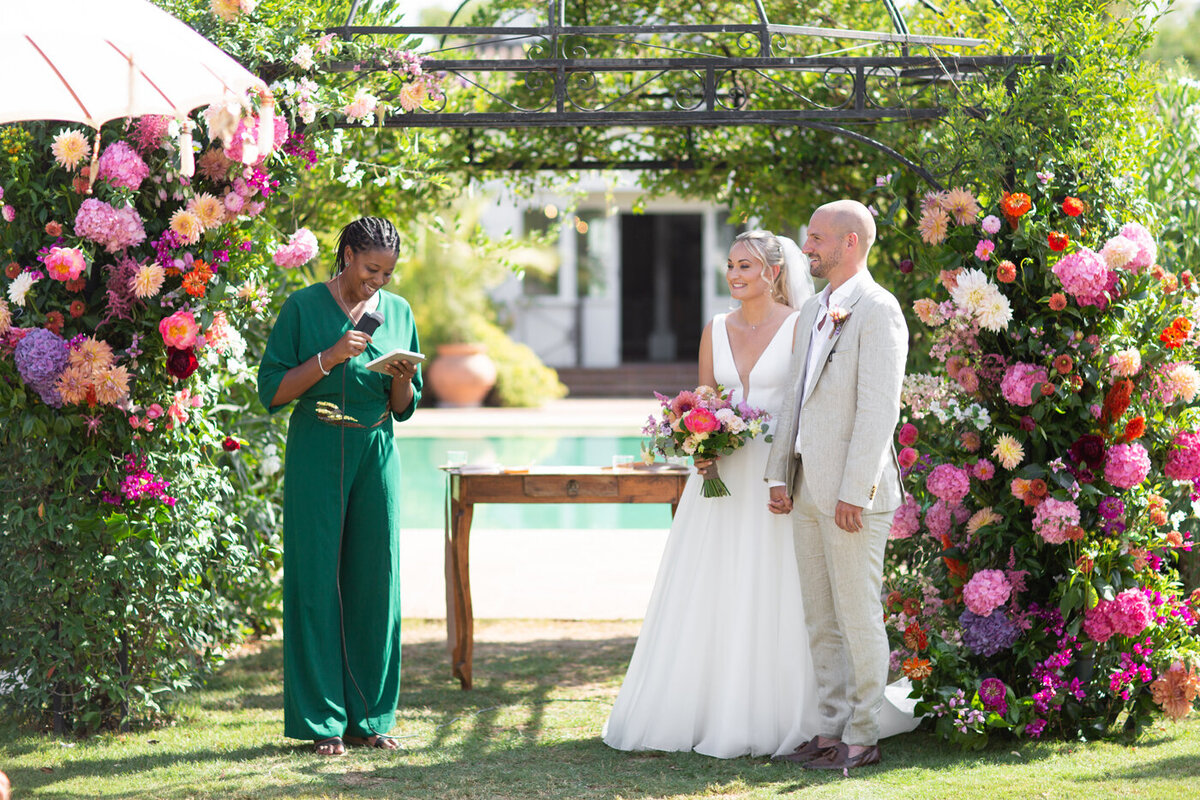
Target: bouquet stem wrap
x=713, y=485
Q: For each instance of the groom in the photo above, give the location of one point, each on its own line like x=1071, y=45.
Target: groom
x=832, y=465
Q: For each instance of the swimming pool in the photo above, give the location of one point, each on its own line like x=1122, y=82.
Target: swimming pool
x=423, y=489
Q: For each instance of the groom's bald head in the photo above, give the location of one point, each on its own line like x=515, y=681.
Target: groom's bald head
x=851, y=216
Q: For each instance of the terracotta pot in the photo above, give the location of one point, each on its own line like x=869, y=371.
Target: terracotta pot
x=461, y=375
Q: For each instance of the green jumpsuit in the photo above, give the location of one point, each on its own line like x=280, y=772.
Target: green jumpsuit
x=341, y=517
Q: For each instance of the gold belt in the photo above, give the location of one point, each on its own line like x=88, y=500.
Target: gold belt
x=332, y=414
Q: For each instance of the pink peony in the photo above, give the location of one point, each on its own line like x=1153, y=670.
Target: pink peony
x=179, y=330
x=121, y=166
x=300, y=249
x=908, y=434
x=1054, y=519
x=987, y=590
x=1018, y=382
x=701, y=420
x=1126, y=465
x=1147, y=250
x=1183, y=461
x=948, y=482
x=65, y=263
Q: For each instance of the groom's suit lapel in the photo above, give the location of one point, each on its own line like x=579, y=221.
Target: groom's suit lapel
x=804, y=323
x=826, y=342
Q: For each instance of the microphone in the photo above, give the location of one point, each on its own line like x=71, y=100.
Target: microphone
x=369, y=322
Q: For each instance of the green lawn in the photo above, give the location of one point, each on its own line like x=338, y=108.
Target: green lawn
x=530, y=729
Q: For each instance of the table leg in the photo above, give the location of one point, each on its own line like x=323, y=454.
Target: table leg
x=464, y=620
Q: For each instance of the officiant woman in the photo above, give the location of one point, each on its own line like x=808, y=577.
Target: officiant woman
x=341, y=506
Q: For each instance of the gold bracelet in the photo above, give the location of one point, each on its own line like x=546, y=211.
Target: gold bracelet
x=321, y=366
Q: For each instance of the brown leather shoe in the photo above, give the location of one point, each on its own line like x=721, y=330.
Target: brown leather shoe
x=838, y=757
x=805, y=752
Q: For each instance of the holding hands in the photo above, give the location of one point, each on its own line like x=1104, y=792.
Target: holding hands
x=779, y=503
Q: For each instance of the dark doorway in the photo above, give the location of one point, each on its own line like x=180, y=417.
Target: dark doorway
x=661, y=287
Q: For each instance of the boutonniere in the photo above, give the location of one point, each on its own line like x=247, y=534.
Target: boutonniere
x=839, y=316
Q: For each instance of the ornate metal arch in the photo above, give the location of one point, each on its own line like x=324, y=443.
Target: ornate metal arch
x=683, y=75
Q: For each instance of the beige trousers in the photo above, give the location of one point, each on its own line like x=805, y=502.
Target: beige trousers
x=841, y=577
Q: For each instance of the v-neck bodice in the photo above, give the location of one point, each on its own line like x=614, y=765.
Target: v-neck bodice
x=768, y=378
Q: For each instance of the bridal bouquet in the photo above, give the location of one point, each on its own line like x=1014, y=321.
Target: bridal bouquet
x=704, y=423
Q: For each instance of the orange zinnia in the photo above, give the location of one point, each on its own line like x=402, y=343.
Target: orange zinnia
x=917, y=669
x=1072, y=206
x=1116, y=402
x=1015, y=206
x=1134, y=429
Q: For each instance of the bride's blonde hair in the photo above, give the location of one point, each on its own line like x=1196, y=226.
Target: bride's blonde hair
x=769, y=250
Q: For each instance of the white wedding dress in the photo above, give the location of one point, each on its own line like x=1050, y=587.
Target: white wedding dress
x=722, y=664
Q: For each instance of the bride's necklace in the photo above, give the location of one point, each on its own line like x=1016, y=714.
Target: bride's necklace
x=762, y=321
x=337, y=282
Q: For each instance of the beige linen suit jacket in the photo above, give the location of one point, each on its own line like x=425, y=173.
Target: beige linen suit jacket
x=850, y=408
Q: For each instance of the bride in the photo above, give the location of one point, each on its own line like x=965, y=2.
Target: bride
x=722, y=664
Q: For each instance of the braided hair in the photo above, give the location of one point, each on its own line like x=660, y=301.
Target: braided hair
x=366, y=233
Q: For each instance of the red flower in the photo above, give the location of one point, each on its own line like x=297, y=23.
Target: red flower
x=914, y=637
x=12, y=270
x=1057, y=241
x=231, y=444
x=181, y=363
x=1175, y=334
x=76, y=285
x=1186, y=277
x=1006, y=271
x=1134, y=429
x=53, y=228
x=77, y=308
x=54, y=321
x=1072, y=206
x=1116, y=402
x=1047, y=389
x=1063, y=364
x=1015, y=205
x=1058, y=301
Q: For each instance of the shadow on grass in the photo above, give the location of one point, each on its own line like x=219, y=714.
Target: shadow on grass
x=530, y=728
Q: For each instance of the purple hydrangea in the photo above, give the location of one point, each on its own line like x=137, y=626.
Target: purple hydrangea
x=40, y=357
x=986, y=636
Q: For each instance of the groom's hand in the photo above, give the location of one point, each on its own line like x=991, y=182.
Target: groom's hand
x=848, y=517
x=779, y=503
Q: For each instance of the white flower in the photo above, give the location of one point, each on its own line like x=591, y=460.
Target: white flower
x=304, y=57
x=271, y=463
x=995, y=312
x=971, y=290
x=19, y=288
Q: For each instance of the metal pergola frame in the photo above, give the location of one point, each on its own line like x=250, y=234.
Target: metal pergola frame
x=558, y=79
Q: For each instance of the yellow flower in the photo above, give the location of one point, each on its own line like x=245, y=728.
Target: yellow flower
x=981, y=518
x=1009, y=451
x=186, y=226
x=69, y=148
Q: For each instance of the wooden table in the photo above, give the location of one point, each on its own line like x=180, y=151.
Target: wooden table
x=538, y=485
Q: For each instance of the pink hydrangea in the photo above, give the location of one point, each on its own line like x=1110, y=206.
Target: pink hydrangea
x=1054, y=519
x=1130, y=612
x=987, y=590
x=1018, y=382
x=1083, y=274
x=65, y=263
x=1147, y=250
x=1096, y=623
x=1126, y=465
x=300, y=249
x=121, y=166
x=1183, y=462
x=948, y=482
x=939, y=518
x=907, y=519
x=114, y=228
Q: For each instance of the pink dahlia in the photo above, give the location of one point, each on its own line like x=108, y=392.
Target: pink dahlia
x=1054, y=519
x=987, y=590
x=1183, y=462
x=1126, y=465
x=121, y=166
x=948, y=482
x=1018, y=382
